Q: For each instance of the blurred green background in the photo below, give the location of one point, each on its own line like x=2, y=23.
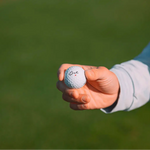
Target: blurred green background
x=36, y=37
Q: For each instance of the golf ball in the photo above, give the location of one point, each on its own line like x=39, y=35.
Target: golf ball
x=75, y=77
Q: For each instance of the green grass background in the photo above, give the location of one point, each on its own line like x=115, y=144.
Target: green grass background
x=36, y=37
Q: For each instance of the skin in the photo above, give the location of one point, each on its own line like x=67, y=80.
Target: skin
x=100, y=91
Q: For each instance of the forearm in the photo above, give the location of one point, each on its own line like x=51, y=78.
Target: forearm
x=134, y=79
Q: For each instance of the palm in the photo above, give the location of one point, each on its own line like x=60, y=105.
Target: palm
x=99, y=98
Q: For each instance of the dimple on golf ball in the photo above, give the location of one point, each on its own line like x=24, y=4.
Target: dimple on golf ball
x=75, y=77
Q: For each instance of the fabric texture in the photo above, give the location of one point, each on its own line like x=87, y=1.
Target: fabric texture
x=134, y=80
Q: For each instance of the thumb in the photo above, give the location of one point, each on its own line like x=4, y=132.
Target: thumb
x=96, y=74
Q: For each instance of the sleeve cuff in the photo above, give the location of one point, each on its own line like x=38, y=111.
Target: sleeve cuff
x=125, y=98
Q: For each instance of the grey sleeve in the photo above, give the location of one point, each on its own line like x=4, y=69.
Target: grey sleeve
x=134, y=79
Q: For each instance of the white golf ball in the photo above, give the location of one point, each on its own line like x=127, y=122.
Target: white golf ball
x=75, y=77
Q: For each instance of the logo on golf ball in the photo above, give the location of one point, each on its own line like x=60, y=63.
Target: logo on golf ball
x=75, y=77
x=73, y=73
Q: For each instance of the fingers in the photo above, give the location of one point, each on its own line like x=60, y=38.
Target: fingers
x=64, y=89
x=95, y=74
x=78, y=101
x=61, y=71
x=81, y=99
x=79, y=106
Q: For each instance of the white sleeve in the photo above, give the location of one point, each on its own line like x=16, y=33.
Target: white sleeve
x=134, y=80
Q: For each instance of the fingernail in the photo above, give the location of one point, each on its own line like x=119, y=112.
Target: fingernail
x=84, y=106
x=83, y=99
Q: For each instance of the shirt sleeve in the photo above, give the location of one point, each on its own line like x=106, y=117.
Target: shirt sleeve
x=134, y=80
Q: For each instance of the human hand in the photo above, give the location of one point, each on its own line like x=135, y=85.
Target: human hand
x=100, y=91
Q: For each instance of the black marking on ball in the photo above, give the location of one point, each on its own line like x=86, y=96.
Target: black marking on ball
x=71, y=73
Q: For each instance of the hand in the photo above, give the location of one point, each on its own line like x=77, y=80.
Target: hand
x=100, y=91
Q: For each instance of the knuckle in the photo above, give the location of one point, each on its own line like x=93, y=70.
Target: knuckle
x=79, y=106
x=84, y=106
x=71, y=93
x=85, y=99
x=67, y=98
